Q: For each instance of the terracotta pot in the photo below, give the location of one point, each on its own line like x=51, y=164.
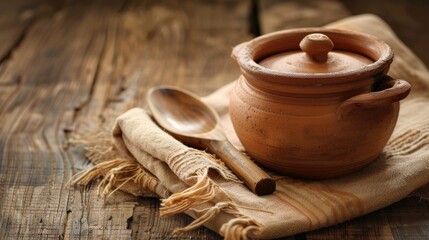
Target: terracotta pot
x=322, y=113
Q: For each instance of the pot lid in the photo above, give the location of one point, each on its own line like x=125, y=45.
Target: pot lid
x=317, y=56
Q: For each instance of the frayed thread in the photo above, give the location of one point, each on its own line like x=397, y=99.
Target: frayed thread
x=116, y=174
x=241, y=228
x=119, y=173
x=202, y=191
x=116, y=171
x=207, y=214
x=99, y=147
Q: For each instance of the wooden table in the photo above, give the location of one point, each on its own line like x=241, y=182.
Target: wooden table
x=67, y=67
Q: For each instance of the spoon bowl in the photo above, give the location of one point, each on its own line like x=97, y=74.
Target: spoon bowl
x=196, y=124
x=180, y=111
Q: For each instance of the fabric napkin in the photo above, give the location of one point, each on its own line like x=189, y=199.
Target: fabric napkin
x=142, y=159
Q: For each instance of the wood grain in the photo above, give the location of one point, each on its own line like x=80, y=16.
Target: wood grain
x=277, y=14
x=409, y=21
x=70, y=71
x=68, y=67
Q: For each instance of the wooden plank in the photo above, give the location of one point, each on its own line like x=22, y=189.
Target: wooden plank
x=35, y=164
x=67, y=72
x=16, y=17
x=75, y=69
x=146, y=224
x=186, y=44
x=408, y=19
x=277, y=15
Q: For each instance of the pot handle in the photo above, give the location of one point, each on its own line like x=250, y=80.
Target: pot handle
x=236, y=51
x=389, y=91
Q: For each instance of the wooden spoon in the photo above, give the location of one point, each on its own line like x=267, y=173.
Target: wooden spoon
x=196, y=124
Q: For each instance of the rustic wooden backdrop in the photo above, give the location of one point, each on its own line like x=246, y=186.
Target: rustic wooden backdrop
x=67, y=67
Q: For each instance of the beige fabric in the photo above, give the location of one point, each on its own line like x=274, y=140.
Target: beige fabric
x=184, y=176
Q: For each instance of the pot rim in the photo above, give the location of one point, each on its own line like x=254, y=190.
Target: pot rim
x=250, y=53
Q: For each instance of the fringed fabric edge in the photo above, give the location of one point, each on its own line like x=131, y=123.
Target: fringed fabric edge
x=241, y=228
x=203, y=191
x=119, y=173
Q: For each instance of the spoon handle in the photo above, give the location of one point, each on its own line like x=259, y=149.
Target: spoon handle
x=253, y=176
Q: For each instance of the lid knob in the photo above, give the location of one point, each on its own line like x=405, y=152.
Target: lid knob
x=317, y=46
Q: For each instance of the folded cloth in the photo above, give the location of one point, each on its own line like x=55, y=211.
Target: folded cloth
x=145, y=160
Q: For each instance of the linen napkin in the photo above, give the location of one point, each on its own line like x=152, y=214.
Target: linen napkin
x=142, y=159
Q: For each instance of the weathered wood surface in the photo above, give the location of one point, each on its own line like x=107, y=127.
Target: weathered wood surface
x=68, y=67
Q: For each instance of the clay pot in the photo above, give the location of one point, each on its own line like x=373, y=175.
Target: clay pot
x=324, y=111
